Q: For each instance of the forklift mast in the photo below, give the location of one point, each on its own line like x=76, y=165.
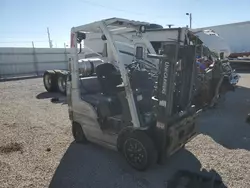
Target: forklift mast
x=175, y=113
x=176, y=79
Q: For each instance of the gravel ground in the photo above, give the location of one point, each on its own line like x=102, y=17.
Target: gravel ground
x=36, y=148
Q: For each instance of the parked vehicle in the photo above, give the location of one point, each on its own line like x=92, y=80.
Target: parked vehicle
x=119, y=105
x=55, y=80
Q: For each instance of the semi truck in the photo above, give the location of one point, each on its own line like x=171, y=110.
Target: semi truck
x=96, y=50
x=55, y=80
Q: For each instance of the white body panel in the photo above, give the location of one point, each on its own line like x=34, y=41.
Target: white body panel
x=86, y=115
x=126, y=44
x=213, y=42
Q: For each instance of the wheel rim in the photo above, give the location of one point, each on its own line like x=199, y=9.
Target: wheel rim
x=47, y=81
x=61, y=84
x=135, y=152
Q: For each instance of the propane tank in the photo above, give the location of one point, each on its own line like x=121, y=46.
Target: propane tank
x=87, y=67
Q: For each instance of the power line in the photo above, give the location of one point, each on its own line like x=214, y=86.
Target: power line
x=21, y=41
x=120, y=10
x=103, y=6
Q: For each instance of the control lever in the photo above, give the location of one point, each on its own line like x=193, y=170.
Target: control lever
x=155, y=56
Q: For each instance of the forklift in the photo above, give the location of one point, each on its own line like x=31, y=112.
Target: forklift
x=119, y=106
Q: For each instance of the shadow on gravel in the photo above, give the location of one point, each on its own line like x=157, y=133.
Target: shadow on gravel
x=203, y=179
x=19, y=78
x=53, y=96
x=96, y=167
x=227, y=123
x=47, y=95
x=11, y=147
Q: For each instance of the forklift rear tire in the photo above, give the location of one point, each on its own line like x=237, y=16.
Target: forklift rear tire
x=49, y=81
x=78, y=133
x=139, y=150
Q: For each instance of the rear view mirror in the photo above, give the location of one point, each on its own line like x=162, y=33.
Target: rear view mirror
x=80, y=37
x=222, y=55
x=139, y=52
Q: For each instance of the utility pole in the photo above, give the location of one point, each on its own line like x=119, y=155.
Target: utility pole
x=65, y=45
x=50, y=42
x=190, y=19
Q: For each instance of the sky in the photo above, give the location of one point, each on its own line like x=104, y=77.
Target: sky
x=24, y=21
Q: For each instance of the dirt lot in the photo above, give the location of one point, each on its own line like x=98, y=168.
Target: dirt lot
x=36, y=148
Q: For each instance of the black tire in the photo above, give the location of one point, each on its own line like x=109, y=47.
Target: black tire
x=139, y=150
x=61, y=83
x=122, y=137
x=248, y=118
x=78, y=133
x=49, y=81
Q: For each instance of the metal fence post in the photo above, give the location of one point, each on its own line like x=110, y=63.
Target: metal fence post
x=66, y=56
x=35, y=59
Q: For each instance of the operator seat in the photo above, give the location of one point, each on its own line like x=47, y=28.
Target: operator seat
x=109, y=78
x=91, y=92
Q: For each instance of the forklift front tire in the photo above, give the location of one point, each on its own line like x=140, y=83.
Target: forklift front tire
x=139, y=150
x=78, y=133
